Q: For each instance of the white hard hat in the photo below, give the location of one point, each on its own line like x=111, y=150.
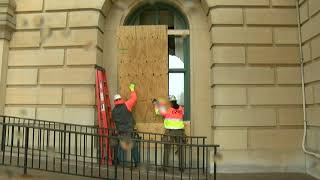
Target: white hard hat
x=116, y=97
x=172, y=98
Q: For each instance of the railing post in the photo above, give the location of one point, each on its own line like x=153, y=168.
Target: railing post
x=26, y=146
x=116, y=158
x=203, y=154
x=4, y=133
x=64, y=141
x=207, y=162
x=215, y=165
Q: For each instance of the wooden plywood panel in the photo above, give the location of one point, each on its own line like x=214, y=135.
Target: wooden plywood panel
x=158, y=128
x=143, y=59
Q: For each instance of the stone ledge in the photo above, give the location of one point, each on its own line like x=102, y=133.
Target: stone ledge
x=53, y=5
x=211, y=4
x=7, y=18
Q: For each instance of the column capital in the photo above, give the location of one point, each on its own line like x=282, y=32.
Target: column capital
x=7, y=18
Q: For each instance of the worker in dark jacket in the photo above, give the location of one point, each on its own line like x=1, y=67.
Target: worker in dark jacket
x=122, y=116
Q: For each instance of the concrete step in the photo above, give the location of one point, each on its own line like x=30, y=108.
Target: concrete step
x=17, y=174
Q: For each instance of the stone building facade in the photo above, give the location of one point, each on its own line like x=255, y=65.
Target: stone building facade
x=310, y=21
x=245, y=71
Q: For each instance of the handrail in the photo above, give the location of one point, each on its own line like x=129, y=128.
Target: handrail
x=104, y=136
x=87, y=126
x=77, y=153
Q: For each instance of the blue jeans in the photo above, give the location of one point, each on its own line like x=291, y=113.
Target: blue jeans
x=121, y=154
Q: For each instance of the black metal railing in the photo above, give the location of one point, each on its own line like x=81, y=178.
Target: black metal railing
x=74, y=149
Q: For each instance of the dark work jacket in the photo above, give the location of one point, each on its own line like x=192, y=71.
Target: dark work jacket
x=122, y=118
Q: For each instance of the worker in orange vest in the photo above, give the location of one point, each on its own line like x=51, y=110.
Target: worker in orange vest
x=174, y=128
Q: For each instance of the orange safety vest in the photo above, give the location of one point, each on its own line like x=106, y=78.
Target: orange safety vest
x=173, y=118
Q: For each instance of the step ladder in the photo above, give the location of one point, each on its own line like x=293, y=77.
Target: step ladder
x=104, y=115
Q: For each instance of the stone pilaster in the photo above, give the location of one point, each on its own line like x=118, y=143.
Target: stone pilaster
x=7, y=26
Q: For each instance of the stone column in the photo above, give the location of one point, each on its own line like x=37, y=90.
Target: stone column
x=7, y=26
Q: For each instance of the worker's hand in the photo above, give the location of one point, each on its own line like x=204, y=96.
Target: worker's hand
x=132, y=87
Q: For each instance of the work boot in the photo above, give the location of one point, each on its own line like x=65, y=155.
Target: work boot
x=134, y=167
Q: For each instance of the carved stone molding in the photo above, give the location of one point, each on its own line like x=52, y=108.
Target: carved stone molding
x=7, y=18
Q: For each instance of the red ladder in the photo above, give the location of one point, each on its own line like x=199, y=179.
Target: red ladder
x=104, y=114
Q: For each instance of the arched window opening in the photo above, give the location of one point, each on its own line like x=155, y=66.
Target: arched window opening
x=178, y=46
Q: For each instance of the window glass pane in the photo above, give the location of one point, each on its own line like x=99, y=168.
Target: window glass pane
x=176, y=53
x=175, y=62
x=147, y=18
x=176, y=86
x=166, y=18
x=178, y=22
x=158, y=16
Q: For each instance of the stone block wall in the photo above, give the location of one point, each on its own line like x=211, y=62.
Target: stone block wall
x=7, y=26
x=51, y=73
x=310, y=30
x=255, y=76
x=256, y=85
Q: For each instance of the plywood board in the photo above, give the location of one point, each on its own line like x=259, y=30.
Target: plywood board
x=158, y=128
x=143, y=60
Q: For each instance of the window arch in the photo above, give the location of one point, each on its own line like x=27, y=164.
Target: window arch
x=178, y=46
x=157, y=14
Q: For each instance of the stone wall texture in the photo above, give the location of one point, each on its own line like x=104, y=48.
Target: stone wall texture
x=256, y=99
x=256, y=85
x=310, y=21
x=51, y=60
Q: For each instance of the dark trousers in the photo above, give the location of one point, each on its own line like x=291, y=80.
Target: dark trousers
x=121, y=154
x=174, y=136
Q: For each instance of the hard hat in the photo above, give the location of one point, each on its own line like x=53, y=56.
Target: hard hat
x=172, y=98
x=116, y=97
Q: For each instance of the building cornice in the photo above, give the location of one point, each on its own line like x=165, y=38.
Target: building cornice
x=7, y=18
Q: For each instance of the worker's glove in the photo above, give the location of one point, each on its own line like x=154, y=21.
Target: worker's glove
x=132, y=87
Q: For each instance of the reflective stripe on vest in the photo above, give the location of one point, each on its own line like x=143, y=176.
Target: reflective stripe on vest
x=174, y=119
x=173, y=124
